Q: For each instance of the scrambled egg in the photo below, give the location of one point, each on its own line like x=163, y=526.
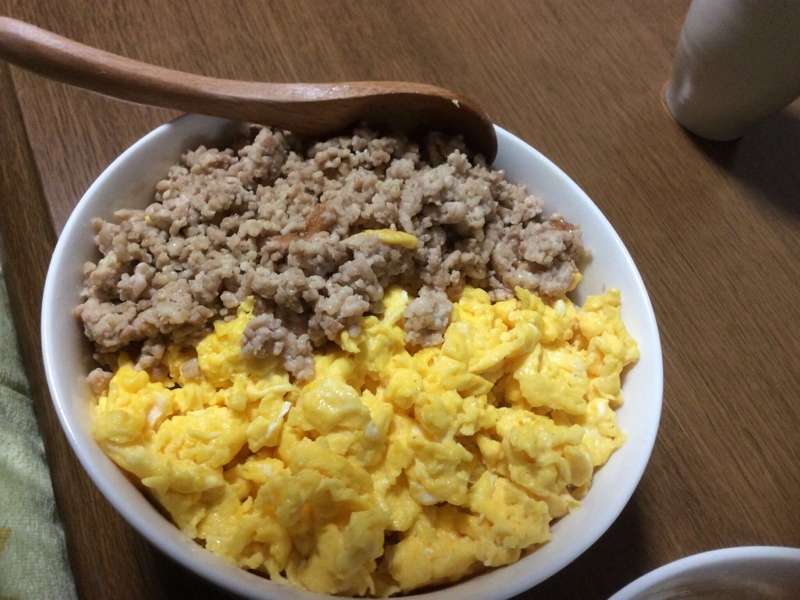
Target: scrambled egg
x=390, y=236
x=389, y=471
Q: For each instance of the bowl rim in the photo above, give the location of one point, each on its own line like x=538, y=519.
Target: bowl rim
x=698, y=562
x=211, y=567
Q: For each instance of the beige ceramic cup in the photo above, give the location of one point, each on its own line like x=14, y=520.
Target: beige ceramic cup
x=737, y=62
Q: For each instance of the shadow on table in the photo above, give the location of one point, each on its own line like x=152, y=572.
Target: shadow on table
x=178, y=583
x=614, y=560
x=766, y=159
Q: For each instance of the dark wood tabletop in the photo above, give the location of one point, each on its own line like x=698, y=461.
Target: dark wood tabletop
x=713, y=227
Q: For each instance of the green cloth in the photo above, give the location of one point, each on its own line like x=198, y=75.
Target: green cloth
x=33, y=556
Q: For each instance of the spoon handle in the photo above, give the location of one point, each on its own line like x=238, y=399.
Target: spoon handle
x=306, y=109
x=67, y=61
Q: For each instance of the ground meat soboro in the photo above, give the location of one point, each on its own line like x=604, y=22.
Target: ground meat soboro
x=278, y=220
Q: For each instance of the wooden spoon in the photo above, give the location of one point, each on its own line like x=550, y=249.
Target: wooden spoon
x=317, y=110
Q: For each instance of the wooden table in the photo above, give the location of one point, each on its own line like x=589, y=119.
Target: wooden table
x=714, y=229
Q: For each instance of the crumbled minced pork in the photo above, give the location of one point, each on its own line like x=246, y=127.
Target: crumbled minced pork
x=275, y=219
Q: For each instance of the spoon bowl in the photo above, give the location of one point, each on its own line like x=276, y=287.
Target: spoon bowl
x=308, y=109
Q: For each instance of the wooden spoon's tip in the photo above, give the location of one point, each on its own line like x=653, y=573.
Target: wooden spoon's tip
x=442, y=109
x=412, y=88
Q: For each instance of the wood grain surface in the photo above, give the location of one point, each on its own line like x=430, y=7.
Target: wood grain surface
x=714, y=229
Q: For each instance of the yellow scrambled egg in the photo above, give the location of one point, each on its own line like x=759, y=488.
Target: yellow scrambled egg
x=392, y=237
x=389, y=470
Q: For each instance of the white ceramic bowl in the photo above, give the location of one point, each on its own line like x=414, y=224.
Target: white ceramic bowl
x=129, y=182
x=746, y=573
